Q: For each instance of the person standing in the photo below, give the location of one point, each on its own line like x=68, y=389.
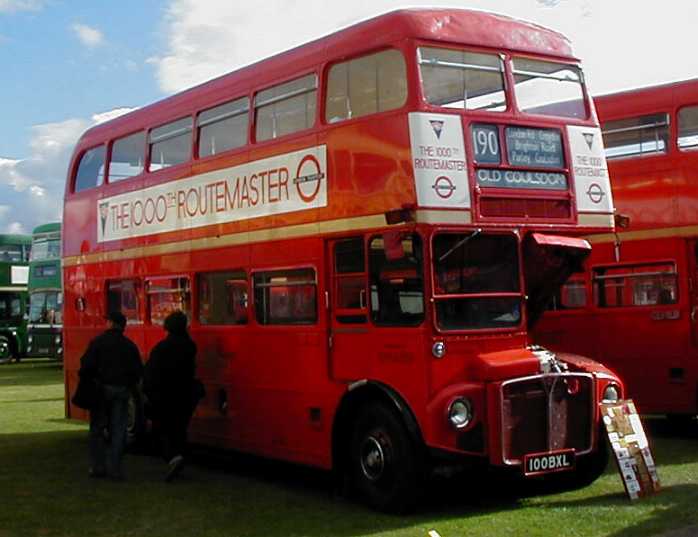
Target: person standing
x=170, y=388
x=112, y=361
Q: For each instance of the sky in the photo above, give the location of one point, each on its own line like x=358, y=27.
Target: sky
x=66, y=65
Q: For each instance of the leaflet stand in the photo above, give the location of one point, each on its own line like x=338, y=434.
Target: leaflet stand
x=631, y=449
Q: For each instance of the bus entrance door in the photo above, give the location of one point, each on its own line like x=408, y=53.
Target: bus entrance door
x=348, y=305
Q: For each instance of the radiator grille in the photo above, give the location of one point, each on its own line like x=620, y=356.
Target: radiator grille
x=546, y=413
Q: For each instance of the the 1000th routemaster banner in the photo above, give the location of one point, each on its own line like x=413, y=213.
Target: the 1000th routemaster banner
x=281, y=184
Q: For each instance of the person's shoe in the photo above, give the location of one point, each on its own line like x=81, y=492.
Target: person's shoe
x=175, y=466
x=97, y=474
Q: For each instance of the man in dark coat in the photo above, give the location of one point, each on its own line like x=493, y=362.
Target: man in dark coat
x=170, y=389
x=113, y=361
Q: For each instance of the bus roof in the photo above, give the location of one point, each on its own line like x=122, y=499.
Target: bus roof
x=645, y=100
x=460, y=26
x=15, y=239
x=47, y=228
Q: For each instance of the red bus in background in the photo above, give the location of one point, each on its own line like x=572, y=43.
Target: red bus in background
x=635, y=307
x=361, y=231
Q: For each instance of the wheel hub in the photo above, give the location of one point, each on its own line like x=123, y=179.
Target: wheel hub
x=372, y=458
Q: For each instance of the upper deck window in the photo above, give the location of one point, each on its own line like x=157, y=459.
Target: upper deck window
x=223, y=127
x=286, y=108
x=127, y=157
x=366, y=85
x=549, y=88
x=636, y=135
x=461, y=79
x=44, y=249
x=91, y=169
x=12, y=252
x=170, y=144
x=688, y=127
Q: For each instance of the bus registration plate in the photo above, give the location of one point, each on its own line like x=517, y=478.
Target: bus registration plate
x=553, y=461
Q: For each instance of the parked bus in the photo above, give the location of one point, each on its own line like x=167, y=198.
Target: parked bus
x=14, y=255
x=45, y=328
x=634, y=308
x=361, y=231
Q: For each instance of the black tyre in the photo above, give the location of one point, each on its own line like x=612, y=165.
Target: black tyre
x=385, y=468
x=5, y=350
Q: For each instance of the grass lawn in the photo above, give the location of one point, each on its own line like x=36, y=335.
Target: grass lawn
x=45, y=491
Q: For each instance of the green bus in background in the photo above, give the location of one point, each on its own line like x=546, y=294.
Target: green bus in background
x=46, y=294
x=14, y=274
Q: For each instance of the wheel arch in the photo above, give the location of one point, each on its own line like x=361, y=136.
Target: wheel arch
x=358, y=395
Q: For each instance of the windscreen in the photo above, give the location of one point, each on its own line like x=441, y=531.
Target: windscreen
x=476, y=280
x=10, y=307
x=549, y=88
x=46, y=307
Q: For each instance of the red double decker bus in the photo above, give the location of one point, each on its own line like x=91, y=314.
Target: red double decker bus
x=362, y=231
x=635, y=306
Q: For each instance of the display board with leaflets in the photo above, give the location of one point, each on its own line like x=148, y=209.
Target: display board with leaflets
x=631, y=449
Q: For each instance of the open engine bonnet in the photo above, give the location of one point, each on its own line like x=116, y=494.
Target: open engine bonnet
x=548, y=261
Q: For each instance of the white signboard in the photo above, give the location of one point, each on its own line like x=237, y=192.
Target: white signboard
x=285, y=183
x=438, y=159
x=592, y=186
x=19, y=275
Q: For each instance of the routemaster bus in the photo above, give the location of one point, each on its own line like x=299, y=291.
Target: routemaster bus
x=45, y=327
x=14, y=255
x=362, y=231
x=635, y=307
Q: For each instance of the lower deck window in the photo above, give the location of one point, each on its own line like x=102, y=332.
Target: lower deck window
x=223, y=298
x=636, y=285
x=122, y=295
x=166, y=295
x=397, y=284
x=286, y=296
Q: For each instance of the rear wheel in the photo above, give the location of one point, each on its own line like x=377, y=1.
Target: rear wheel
x=385, y=469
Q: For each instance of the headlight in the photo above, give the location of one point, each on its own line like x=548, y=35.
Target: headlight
x=30, y=339
x=57, y=340
x=611, y=394
x=460, y=413
x=60, y=350
x=439, y=349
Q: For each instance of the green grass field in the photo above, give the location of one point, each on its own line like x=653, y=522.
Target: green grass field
x=45, y=491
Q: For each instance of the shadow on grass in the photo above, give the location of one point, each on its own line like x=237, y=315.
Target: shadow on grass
x=674, y=506
x=34, y=373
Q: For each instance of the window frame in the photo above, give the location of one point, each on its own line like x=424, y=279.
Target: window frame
x=138, y=286
x=670, y=138
x=689, y=148
x=346, y=60
x=503, y=59
x=270, y=270
x=76, y=170
x=145, y=155
x=150, y=142
x=255, y=105
x=147, y=293
x=629, y=276
x=211, y=121
x=196, y=307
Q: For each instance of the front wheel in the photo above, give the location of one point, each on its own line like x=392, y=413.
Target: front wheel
x=5, y=350
x=385, y=469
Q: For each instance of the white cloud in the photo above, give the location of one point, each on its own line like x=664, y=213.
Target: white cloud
x=9, y=6
x=88, y=36
x=32, y=188
x=207, y=39
x=15, y=228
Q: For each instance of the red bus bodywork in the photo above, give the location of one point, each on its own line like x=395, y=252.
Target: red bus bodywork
x=297, y=392
x=647, y=333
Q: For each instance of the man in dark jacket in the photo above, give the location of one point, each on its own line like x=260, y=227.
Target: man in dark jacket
x=114, y=362
x=171, y=391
